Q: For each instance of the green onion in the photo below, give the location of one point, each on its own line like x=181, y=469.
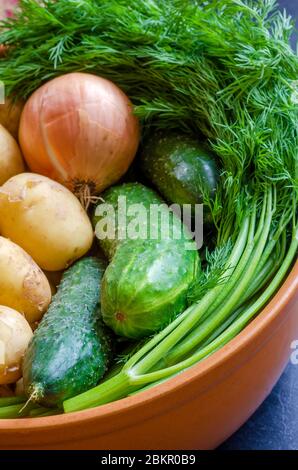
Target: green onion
x=7, y=401
x=12, y=411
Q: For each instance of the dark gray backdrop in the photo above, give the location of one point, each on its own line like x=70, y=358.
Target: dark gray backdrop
x=291, y=7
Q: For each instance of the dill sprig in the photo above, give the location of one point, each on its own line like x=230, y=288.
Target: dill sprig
x=214, y=273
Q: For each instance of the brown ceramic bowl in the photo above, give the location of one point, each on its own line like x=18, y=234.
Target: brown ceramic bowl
x=198, y=409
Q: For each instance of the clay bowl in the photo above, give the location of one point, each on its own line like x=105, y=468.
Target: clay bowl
x=198, y=409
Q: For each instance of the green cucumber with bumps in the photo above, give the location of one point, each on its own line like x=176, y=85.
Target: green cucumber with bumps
x=146, y=283
x=180, y=168
x=71, y=349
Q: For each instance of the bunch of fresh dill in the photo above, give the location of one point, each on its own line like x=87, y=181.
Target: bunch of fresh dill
x=222, y=69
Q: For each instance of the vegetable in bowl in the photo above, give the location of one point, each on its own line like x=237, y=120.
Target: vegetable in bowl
x=15, y=334
x=11, y=161
x=147, y=280
x=23, y=285
x=85, y=137
x=46, y=219
x=181, y=169
x=71, y=349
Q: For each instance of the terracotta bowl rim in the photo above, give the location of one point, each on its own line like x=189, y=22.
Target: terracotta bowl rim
x=284, y=295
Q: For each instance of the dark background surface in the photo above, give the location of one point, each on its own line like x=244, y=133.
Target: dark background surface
x=291, y=6
x=274, y=426
x=275, y=423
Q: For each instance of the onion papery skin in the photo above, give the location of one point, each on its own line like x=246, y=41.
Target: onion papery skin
x=80, y=130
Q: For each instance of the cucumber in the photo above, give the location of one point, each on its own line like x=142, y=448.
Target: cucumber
x=145, y=285
x=182, y=170
x=71, y=349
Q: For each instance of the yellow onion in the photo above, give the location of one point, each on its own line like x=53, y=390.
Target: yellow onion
x=80, y=130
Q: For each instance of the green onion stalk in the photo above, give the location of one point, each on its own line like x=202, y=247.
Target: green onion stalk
x=225, y=72
x=20, y=407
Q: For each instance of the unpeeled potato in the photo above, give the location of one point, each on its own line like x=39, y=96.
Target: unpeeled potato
x=45, y=219
x=23, y=286
x=15, y=334
x=11, y=161
x=10, y=114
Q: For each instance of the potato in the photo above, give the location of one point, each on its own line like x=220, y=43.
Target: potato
x=11, y=161
x=15, y=334
x=45, y=219
x=23, y=286
x=10, y=114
